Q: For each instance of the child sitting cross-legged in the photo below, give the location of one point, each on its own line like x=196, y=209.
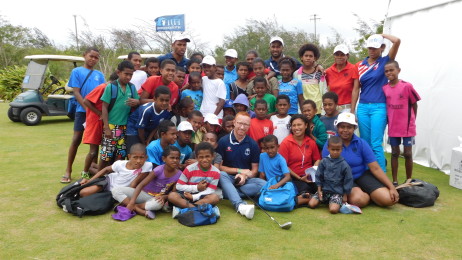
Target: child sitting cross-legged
x=198, y=183
x=333, y=178
x=271, y=163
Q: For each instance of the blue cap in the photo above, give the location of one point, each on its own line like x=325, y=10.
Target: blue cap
x=228, y=104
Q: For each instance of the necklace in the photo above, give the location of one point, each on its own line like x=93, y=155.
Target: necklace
x=303, y=154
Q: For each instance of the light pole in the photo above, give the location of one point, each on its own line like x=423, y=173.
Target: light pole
x=314, y=19
x=76, y=35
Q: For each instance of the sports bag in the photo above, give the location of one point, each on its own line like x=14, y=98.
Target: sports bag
x=281, y=199
x=418, y=194
x=197, y=216
x=96, y=204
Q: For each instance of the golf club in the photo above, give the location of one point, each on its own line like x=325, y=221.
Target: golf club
x=286, y=225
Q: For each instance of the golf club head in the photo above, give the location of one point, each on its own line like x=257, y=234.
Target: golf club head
x=286, y=225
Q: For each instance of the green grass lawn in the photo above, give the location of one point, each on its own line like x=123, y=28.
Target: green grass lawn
x=32, y=226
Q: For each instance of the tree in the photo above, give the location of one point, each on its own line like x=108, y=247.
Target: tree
x=365, y=30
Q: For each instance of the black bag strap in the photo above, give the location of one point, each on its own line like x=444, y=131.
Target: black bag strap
x=115, y=92
x=88, y=75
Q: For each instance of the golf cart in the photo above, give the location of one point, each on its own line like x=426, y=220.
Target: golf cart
x=29, y=106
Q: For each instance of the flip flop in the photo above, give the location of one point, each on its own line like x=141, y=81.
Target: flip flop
x=65, y=179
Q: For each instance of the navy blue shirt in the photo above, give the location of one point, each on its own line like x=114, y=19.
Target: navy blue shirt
x=145, y=117
x=169, y=55
x=274, y=66
x=238, y=155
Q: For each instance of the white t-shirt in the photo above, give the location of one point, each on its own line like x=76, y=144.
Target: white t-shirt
x=138, y=78
x=214, y=90
x=281, y=127
x=123, y=176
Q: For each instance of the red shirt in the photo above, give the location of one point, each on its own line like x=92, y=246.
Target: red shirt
x=153, y=82
x=260, y=128
x=341, y=82
x=299, y=157
x=93, y=125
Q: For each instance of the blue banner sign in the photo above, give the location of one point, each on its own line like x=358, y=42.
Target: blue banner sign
x=170, y=23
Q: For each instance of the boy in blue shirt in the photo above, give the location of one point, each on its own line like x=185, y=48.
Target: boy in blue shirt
x=272, y=164
x=185, y=131
x=144, y=120
x=333, y=178
x=115, y=115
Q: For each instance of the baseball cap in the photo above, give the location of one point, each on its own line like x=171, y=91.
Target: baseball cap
x=231, y=53
x=341, y=48
x=211, y=118
x=228, y=104
x=375, y=41
x=346, y=117
x=185, y=126
x=209, y=60
x=276, y=38
x=180, y=38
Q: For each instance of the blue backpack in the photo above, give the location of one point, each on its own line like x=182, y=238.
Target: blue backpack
x=281, y=199
x=197, y=216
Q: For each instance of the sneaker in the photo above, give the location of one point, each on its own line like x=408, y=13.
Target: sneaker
x=216, y=210
x=167, y=208
x=175, y=211
x=246, y=210
x=85, y=175
x=150, y=214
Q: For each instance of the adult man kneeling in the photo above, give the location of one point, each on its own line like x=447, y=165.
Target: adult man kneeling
x=241, y=155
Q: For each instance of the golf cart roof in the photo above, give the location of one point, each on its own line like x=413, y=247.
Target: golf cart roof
x=54, y=58
x=143, y=56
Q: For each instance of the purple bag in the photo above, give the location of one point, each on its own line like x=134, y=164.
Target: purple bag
x=123, y=214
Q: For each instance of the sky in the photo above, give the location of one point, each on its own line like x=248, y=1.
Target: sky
x=210, y=20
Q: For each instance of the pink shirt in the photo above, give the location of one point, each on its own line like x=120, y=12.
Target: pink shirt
x=401, y=116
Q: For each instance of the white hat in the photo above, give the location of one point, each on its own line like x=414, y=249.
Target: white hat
x=231, y=53
x=209, y=60
x=346, y=117
x=185, y=126
x=341, y=48
x=180, y=38
x=211, y=118
x=375, y=41
x=276, y=39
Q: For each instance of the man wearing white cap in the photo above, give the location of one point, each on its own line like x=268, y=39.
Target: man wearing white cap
x=230, y=69
x=214, y=88
x=276, y=49
x=342, y=76
x=179, y=44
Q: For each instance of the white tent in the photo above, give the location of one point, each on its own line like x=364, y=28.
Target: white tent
x=430, y=58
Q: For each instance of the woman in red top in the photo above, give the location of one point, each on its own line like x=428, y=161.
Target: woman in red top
x=301, y=153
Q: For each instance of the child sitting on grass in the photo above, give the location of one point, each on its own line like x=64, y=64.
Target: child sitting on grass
x=121, y=173
x=272, y=164
x=333, y=178
x=152, y=192
x=198, y=183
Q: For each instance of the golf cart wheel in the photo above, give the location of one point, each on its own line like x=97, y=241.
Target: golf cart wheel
x=11, y=116
x=31, y=116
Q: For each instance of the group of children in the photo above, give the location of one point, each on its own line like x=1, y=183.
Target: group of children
x=171, y=144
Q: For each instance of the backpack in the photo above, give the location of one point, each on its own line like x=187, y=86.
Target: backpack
x=115, y=92
x=197, y=216
x=281, y=199
x=418, y=194
x=96, y=204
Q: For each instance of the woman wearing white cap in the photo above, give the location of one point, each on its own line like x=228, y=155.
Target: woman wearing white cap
x=342, y=76
x=370, y=182
x=371, y=111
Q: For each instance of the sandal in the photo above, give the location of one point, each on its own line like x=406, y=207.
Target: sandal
x=395, y=183
x=65, y=179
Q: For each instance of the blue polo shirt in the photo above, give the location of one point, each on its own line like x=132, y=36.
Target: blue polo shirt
x=372, y=79
x=272, y=167
x=358, y=155
x=169, y=55
x=185, y=151
x=238, y=155
x=146, y=117
x=77, y=78
x=230, y=77
x=274, y=66
x=154, y=151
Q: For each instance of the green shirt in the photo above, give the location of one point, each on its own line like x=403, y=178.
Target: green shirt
x=270, y=99
x=120, y=111
x=319, y=132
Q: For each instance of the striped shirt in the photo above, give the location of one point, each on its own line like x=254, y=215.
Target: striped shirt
x=193, y=175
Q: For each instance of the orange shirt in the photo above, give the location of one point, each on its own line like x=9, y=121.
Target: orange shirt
x=299, y=157
x=93, y=125
x=260, y=128
x=153, y=82
x=341, y=82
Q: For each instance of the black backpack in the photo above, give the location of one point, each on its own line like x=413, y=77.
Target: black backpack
x=69, y=200
x=418, y=194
